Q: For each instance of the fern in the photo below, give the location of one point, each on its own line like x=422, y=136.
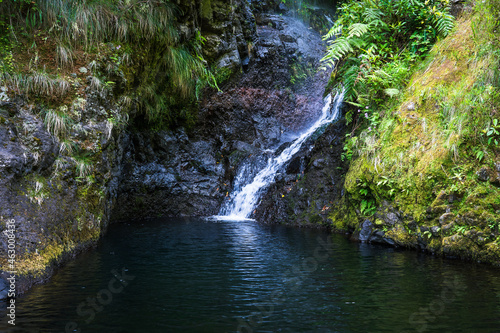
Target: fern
x=444, y=23
x=372, y=14
x=358, y=30
x=335, y=31
x=350, y=79
x=371, y=34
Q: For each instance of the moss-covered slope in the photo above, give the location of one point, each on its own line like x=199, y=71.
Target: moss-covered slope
x=430, y=176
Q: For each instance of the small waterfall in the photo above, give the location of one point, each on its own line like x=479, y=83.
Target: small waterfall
x=244, y=198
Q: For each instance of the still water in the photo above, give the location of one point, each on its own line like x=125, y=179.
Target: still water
x=193, y=275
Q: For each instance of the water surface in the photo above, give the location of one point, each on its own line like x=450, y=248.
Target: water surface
x=192, y=275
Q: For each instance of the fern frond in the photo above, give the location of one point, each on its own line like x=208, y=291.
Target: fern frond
x=372, y=14
x=444, y=23
x=335, y=31
x=338, y=48
x=349, y=80
x=358, y=30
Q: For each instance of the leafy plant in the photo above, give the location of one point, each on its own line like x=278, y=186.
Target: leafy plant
x=349, y=147
x=367, y=208
x=83, y=166
x=493, y=132
x=372, y=42
x=389, y=183
x=36, y=192
x=460, y=229
x=135, y=40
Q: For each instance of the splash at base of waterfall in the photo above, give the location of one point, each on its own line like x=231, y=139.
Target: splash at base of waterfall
x=245, y=197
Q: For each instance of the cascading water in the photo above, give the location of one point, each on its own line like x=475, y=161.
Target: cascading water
x=245, y=197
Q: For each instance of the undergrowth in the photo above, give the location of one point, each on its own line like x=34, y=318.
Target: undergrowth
x=131, y=47
x=434, y=148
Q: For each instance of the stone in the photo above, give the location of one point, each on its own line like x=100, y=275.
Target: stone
x=282, y=8
x=391, y=218
x=83, y=70
x=377, y=236
x=483, y=174
x=319, y=163
x=446, y=218
x=230, y=60
x=447, y=227
x=455, y=197
x=4, y=289
x=389, y=241
x=435, y=230
x=366, y=230
x=245, y=147
x=3, y=95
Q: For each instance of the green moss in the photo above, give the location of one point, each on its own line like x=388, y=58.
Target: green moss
x=223, y=74
x=206, y=10
x=402, y=237
x=343, y=218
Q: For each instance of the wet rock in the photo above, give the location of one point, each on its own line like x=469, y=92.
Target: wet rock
x=366, y=230
x=447, y=227
x=377, y=236
x=391, y=218
x=450, y=244
x=282, y=8
x=458, y=6
x=319, y=163
x=322, y=186
x=389, y=241
x=244, y=147
x=230, y=60
x=455, y=197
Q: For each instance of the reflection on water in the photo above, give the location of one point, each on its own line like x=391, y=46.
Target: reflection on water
x=192, y=275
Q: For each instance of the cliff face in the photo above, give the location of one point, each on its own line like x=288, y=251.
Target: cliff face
x=273, y=88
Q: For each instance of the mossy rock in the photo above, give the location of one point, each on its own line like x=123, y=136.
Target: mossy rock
x=402, y=237
x=460, y=246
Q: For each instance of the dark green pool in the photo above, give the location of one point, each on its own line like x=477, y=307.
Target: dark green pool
x=192, y=275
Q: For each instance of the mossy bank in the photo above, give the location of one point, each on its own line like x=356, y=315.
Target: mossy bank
x=428, y=176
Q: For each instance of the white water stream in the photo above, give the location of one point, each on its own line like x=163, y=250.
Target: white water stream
x=244, y=199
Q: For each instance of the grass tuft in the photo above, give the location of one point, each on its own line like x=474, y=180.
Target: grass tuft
x=58, y=122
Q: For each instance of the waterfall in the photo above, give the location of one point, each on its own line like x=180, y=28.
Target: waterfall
x=245, y=197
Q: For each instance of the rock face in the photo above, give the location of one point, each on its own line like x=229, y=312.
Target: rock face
x=168, y=174
x=276, y=94
x=60, y=201
x=226, y=27
x=311, y=186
